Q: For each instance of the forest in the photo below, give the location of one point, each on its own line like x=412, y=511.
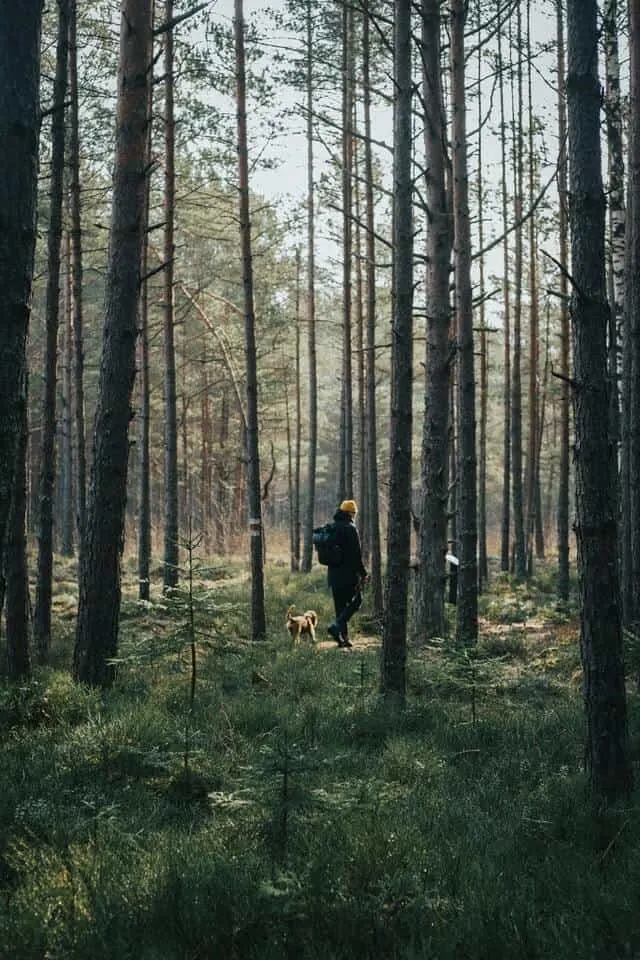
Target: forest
x=260, y=259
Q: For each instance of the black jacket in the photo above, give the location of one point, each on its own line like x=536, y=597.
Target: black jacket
x=351, y=569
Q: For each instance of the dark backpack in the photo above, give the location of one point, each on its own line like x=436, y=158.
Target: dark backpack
x=325, y=540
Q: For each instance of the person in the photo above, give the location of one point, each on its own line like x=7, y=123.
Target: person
x=347, y=579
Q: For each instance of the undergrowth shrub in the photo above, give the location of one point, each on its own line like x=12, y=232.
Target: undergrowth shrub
x=287, y=810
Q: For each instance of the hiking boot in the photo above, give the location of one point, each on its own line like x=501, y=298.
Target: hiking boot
x=345, y=642
x=334, y=631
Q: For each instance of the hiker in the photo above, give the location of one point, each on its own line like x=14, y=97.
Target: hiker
x=346, y=578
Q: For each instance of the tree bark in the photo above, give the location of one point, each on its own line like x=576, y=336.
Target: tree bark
x=144, y=412
x=532, y=486
x=483, y=561
x=66, y=458
x=394, y=642
x=617, y=214
x=607, y=753
x=19, y=132
x=18, y=620
x=258, y=617
x=631, y=346
x=99, y=599
x=76, y=269
x=307, y=551
x=506, y=300
x=345, y=478
x=565, y=400
x=467, y=601
x=42, y=615
x=375, y=557
x=171, y=510
x=295, y=504
x=516, y=379
x=429, y=609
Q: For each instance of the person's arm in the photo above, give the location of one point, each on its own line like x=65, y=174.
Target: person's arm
x=359, y=565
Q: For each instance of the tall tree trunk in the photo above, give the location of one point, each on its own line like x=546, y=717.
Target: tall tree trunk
x=345, y=479
x=66, y=459
x=19, y=132
x=565, y=401
x=467, y=620
x=307, y=553
x=633, y=313
x=290, y=465
x=615, y=152
x=221, y=495
x=144, y=414
x=363, y=480
x=483, y=562
x=534, y=324
x=630, y=482
x=394, y=642
x=76, y=268
x=258, y=617
x=206, y=451
x=607, y=750
x=15, y=565
x=171, y=528
x=429, y=609
x=295, y=505
x=375, y=558
x=516, y=380
x=99, y=600
x=42, y=616
x=506, y=300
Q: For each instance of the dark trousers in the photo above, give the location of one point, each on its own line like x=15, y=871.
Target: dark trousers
x=346, y=601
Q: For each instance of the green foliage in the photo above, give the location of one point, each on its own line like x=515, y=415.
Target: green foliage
x=313, y=819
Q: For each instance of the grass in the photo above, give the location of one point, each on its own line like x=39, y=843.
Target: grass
x=292, y=813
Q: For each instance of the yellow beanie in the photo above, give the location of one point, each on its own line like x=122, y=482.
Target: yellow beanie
x=349, y=506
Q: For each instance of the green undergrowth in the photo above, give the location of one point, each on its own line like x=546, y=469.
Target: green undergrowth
x=289, y=812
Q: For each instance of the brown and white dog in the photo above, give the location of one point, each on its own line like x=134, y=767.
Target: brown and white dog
x=301, y=625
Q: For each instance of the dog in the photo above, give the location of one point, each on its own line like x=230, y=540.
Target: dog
x=301, y=625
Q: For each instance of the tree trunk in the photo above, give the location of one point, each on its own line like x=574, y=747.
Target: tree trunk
x=375, y=558
x=15, y=565
x=99, y=599
x=630, y=552
x=76, y=269
x=394, y=642
x=295, y=504
x=565, y=401
x=429, y=609
x=516, y=380
x=534, y=327
x=258, y=617
x=144, y=413
x=221, y=494
x=19, y=132
x=307, y=554
x=506, y=300
x=467, y=600
x=607, y=753
x=66, y=459
x=345, y=478
x=206, y=451
x=171, y=528
x=617, y=216
x=363, y=480
x=483, y=562
x=42, y=616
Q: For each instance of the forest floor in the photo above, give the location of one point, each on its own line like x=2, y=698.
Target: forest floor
x=261, y=801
